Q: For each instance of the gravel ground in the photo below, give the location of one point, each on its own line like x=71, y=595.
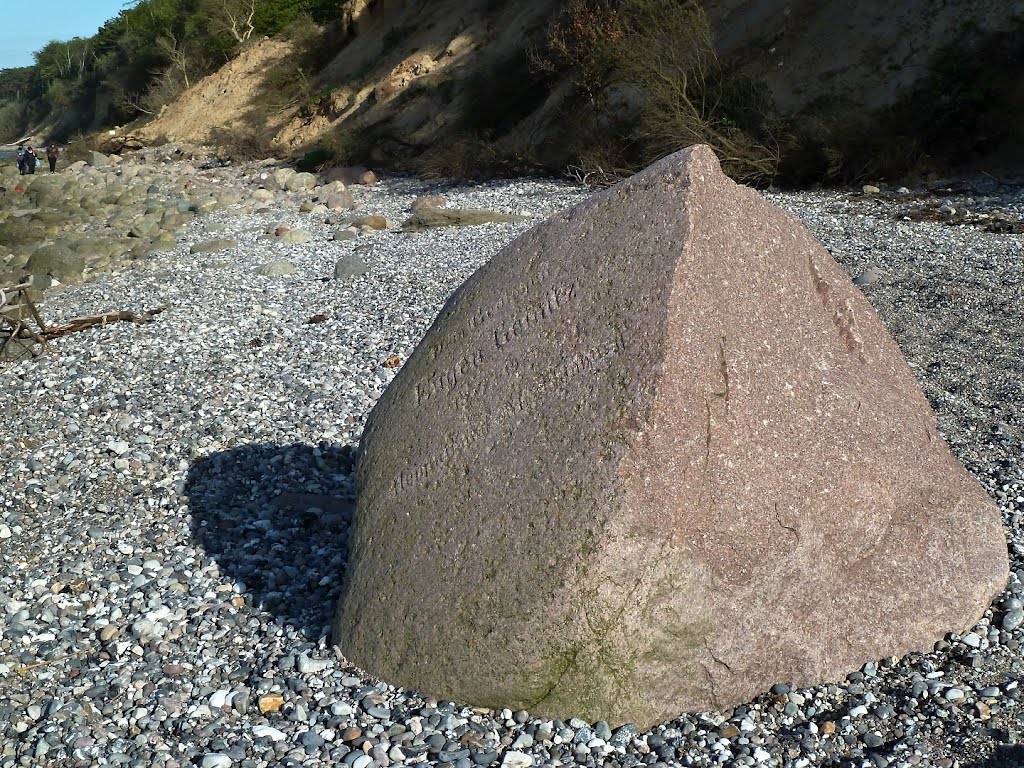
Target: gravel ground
x=170, y=566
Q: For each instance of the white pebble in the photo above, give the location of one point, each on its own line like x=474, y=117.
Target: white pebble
x=260, y=731
x=308, y=666
x=118, y=447
x=517, y=760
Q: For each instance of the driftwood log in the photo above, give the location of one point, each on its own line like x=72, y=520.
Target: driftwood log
x=17, y=328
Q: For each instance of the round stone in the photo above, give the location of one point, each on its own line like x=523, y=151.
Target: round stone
x=1013, y=619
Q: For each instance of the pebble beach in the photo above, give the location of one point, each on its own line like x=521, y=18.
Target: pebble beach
x=176, y=494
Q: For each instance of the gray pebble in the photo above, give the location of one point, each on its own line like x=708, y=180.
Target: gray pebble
x=873, y=740
x=311, y=739
x=1013, y=619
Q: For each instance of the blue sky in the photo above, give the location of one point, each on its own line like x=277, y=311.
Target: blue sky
x=29, y=26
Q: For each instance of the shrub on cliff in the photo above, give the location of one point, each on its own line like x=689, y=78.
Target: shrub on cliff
x=12, y=120
x=649, y=72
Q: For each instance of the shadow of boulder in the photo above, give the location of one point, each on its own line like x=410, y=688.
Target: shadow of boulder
x=1004, y=756
x=276, y=518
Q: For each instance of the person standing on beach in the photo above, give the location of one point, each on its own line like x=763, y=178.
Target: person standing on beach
x=21, y=159
x=51, y=154
x=29, y=160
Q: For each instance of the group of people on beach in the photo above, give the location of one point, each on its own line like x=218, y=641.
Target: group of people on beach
x=27, y=159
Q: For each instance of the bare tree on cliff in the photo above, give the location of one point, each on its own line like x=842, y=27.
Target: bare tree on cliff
x=235, y=17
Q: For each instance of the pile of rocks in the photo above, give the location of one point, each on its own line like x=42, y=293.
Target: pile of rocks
x=115, y=212
x=107, y=212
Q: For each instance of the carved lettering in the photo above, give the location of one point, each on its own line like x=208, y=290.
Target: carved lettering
x=446, y=381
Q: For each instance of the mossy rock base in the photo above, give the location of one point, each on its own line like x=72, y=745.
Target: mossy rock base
x=58, y=261
x=213, y=246
x=426, y=218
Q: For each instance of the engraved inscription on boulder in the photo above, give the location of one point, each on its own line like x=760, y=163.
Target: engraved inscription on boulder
x=655, y=456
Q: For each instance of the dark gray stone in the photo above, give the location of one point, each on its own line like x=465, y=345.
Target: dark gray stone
x=57, y=261
x=425, y=218
x=349, y=266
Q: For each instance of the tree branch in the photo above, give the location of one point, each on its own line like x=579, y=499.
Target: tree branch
x=16, y=328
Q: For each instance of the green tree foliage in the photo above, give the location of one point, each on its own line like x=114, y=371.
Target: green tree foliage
x=62, y=60
x=12, y=118
x=15, y=83
x=140, y=60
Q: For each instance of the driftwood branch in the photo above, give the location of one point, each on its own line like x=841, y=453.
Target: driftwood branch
x=17, y=328
x=25, y=670
x=81, y=323
x=35, y=312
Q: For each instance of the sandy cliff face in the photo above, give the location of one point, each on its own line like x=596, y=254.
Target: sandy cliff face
x=419, y=67
x=419, y=72
x=222, y=101
x=869, y=50
x=395, y=48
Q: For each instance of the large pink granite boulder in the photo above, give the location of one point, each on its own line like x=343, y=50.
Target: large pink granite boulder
x=655, y=456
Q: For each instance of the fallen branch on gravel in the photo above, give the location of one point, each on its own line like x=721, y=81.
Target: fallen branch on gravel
x=81, y=323
x=17, y=328
x=25, y=670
